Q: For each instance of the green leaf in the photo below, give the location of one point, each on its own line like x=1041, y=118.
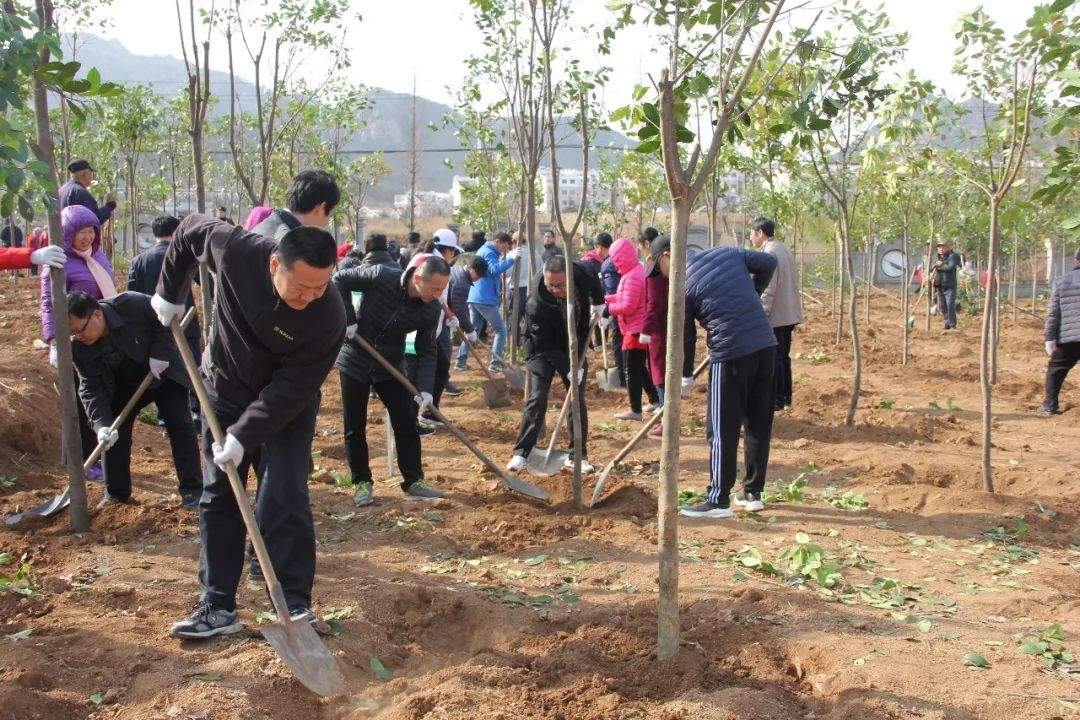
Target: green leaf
x=924, y=626
x=1033, y=647
x=802, y=538
x=918, y=541
x=21, y=635
x=380, y=670
x=205, y=677
x=97, y=698
x=975, y=660
x=535, y=560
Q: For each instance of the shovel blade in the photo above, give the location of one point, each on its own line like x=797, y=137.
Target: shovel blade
x=297, y=643
x=45, y=509
x=495, y=394
x=609, y=381
x=520, y=486
x=539, y=463
x=515, y=378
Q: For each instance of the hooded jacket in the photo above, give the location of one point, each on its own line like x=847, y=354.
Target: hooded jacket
x=488, y=290
x=628, y=302
x=1063, y=317
x=73, y=219
x=723, y=286
x=458, y=296
x=544, y=337
x=265, y=359
x=593, y=262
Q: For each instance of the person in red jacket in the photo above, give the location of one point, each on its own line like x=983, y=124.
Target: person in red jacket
x=628, y=306
x=23, y=258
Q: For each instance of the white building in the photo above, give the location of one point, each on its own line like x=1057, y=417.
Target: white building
x=429, y=203
x=570, y=189
x=457, y=185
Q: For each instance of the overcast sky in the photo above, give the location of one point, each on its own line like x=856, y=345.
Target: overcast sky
x=432, y=38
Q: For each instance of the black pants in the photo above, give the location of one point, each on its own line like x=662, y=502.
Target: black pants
x=518, y=297
x=783, y=365
x=282, y=510
x=402, y=408
x=172, y=404
x=1061, y=362
x=615, y=340
x=532, y=419
x=638, y=378
x=442, y=372
x=740, y=395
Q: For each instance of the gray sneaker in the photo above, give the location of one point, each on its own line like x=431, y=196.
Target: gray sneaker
x=365, y=494
x=421, y=490
x=206, y=622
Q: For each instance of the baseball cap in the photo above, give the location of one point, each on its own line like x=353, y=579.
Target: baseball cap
x=660, y=245
x=445, y=237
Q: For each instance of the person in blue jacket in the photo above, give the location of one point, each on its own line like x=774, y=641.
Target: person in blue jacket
x=485, y=296
x=723, y=289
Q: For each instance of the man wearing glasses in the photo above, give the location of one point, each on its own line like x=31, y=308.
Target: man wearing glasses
x=119, y=341
x=547, y=350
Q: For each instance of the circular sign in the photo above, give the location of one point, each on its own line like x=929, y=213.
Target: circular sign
x=893, y=264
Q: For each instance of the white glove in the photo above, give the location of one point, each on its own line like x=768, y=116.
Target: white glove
x=54, y=359
x=514, y=254
x=350, y=331
x=158, y=367
x=598, y=311
x=580, y=375
x=1051, y=346
x=166, y=311
x=644, y=339
x=232, y=452
x=688, y=382
x=453, y=323
x=424, y=400
x=472, y=337
x=107, y=437
x=51, y=255
x=605, y=322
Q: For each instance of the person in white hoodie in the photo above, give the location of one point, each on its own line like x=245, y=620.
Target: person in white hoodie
x=782, y=303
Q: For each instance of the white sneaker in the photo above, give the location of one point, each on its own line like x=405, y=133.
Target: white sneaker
x=516, y=463
x=651, y=407
x=627, y=415
x=748, y=501
x=586, y=466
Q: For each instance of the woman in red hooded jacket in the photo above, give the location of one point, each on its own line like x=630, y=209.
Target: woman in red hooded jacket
x=628, y=304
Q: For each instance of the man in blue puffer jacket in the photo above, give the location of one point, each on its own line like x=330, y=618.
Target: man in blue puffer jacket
x=485, y=296
x=723, y=289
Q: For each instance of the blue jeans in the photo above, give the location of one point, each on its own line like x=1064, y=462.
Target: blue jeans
x=491, y=315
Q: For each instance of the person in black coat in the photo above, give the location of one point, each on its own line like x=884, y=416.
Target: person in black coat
x=384, y=304
x=119, y=342
x=276, y=331
x=945, y=269
x=547, y=350
x=74, y=191
x=461, y=279
x=1062, y=335
x=146, y=269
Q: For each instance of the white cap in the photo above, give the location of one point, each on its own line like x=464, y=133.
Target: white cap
x=445, y=237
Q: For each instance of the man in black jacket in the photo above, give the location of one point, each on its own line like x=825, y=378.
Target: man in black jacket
x=275, y=334
x=146, y=269
x=392, y=304
x=461, y=279
x=119, y=342
x=547, y=350
x=948, y=262
x=1062, y=335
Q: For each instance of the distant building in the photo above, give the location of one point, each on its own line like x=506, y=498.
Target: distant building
x=570, y=189
x=429, y=203
x=457, y=185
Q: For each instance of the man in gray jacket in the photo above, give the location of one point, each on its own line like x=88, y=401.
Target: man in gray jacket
x=782, y=303
x=1062, y=335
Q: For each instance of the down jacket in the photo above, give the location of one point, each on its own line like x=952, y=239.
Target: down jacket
x=458, y=296
x=488, y=290
x=545, y=337
x=73, y=218
x=723, y=286
x=628, y=302
x=1063, y=317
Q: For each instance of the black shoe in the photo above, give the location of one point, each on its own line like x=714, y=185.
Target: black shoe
x=1046, y=410
x=206, y=622
x=306, y=614
x=424, y=430
x=430, y=418
x=452, y=390
x=189, y=499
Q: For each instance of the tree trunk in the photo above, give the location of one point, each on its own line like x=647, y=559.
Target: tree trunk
x=667, y=622
x=905, y=292
x=984, y=349
x=869, y=276
x=45, y=152
x=853, y=324
x=841, y=282
x=1034, y=281
x=928, y=287
x=1012, y=279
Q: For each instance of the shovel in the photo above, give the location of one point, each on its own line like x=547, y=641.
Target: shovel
x=495, y=394
x=511, y=482
x=602, y=479
x=294, y=640
x=608, y=379
x=515, y=377
x=61, y=501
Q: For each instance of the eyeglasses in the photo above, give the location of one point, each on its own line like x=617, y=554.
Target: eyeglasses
x=556, y=286
x=81, y=330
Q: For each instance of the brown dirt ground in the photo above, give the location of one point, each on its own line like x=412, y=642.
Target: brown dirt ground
x=485, y=605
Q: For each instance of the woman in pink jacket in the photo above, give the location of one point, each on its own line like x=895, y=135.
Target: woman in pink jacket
x=628, y=305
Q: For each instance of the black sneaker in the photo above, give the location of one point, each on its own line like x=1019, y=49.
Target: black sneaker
x=189, y=499
x=748, y=501
x=460, y=367
x=425, y=429
x=429, y=418
x=307, y=615
x=705, y=510
x=452, y=390
x=1046, y=410
x=421, y=490
x=206, y=622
